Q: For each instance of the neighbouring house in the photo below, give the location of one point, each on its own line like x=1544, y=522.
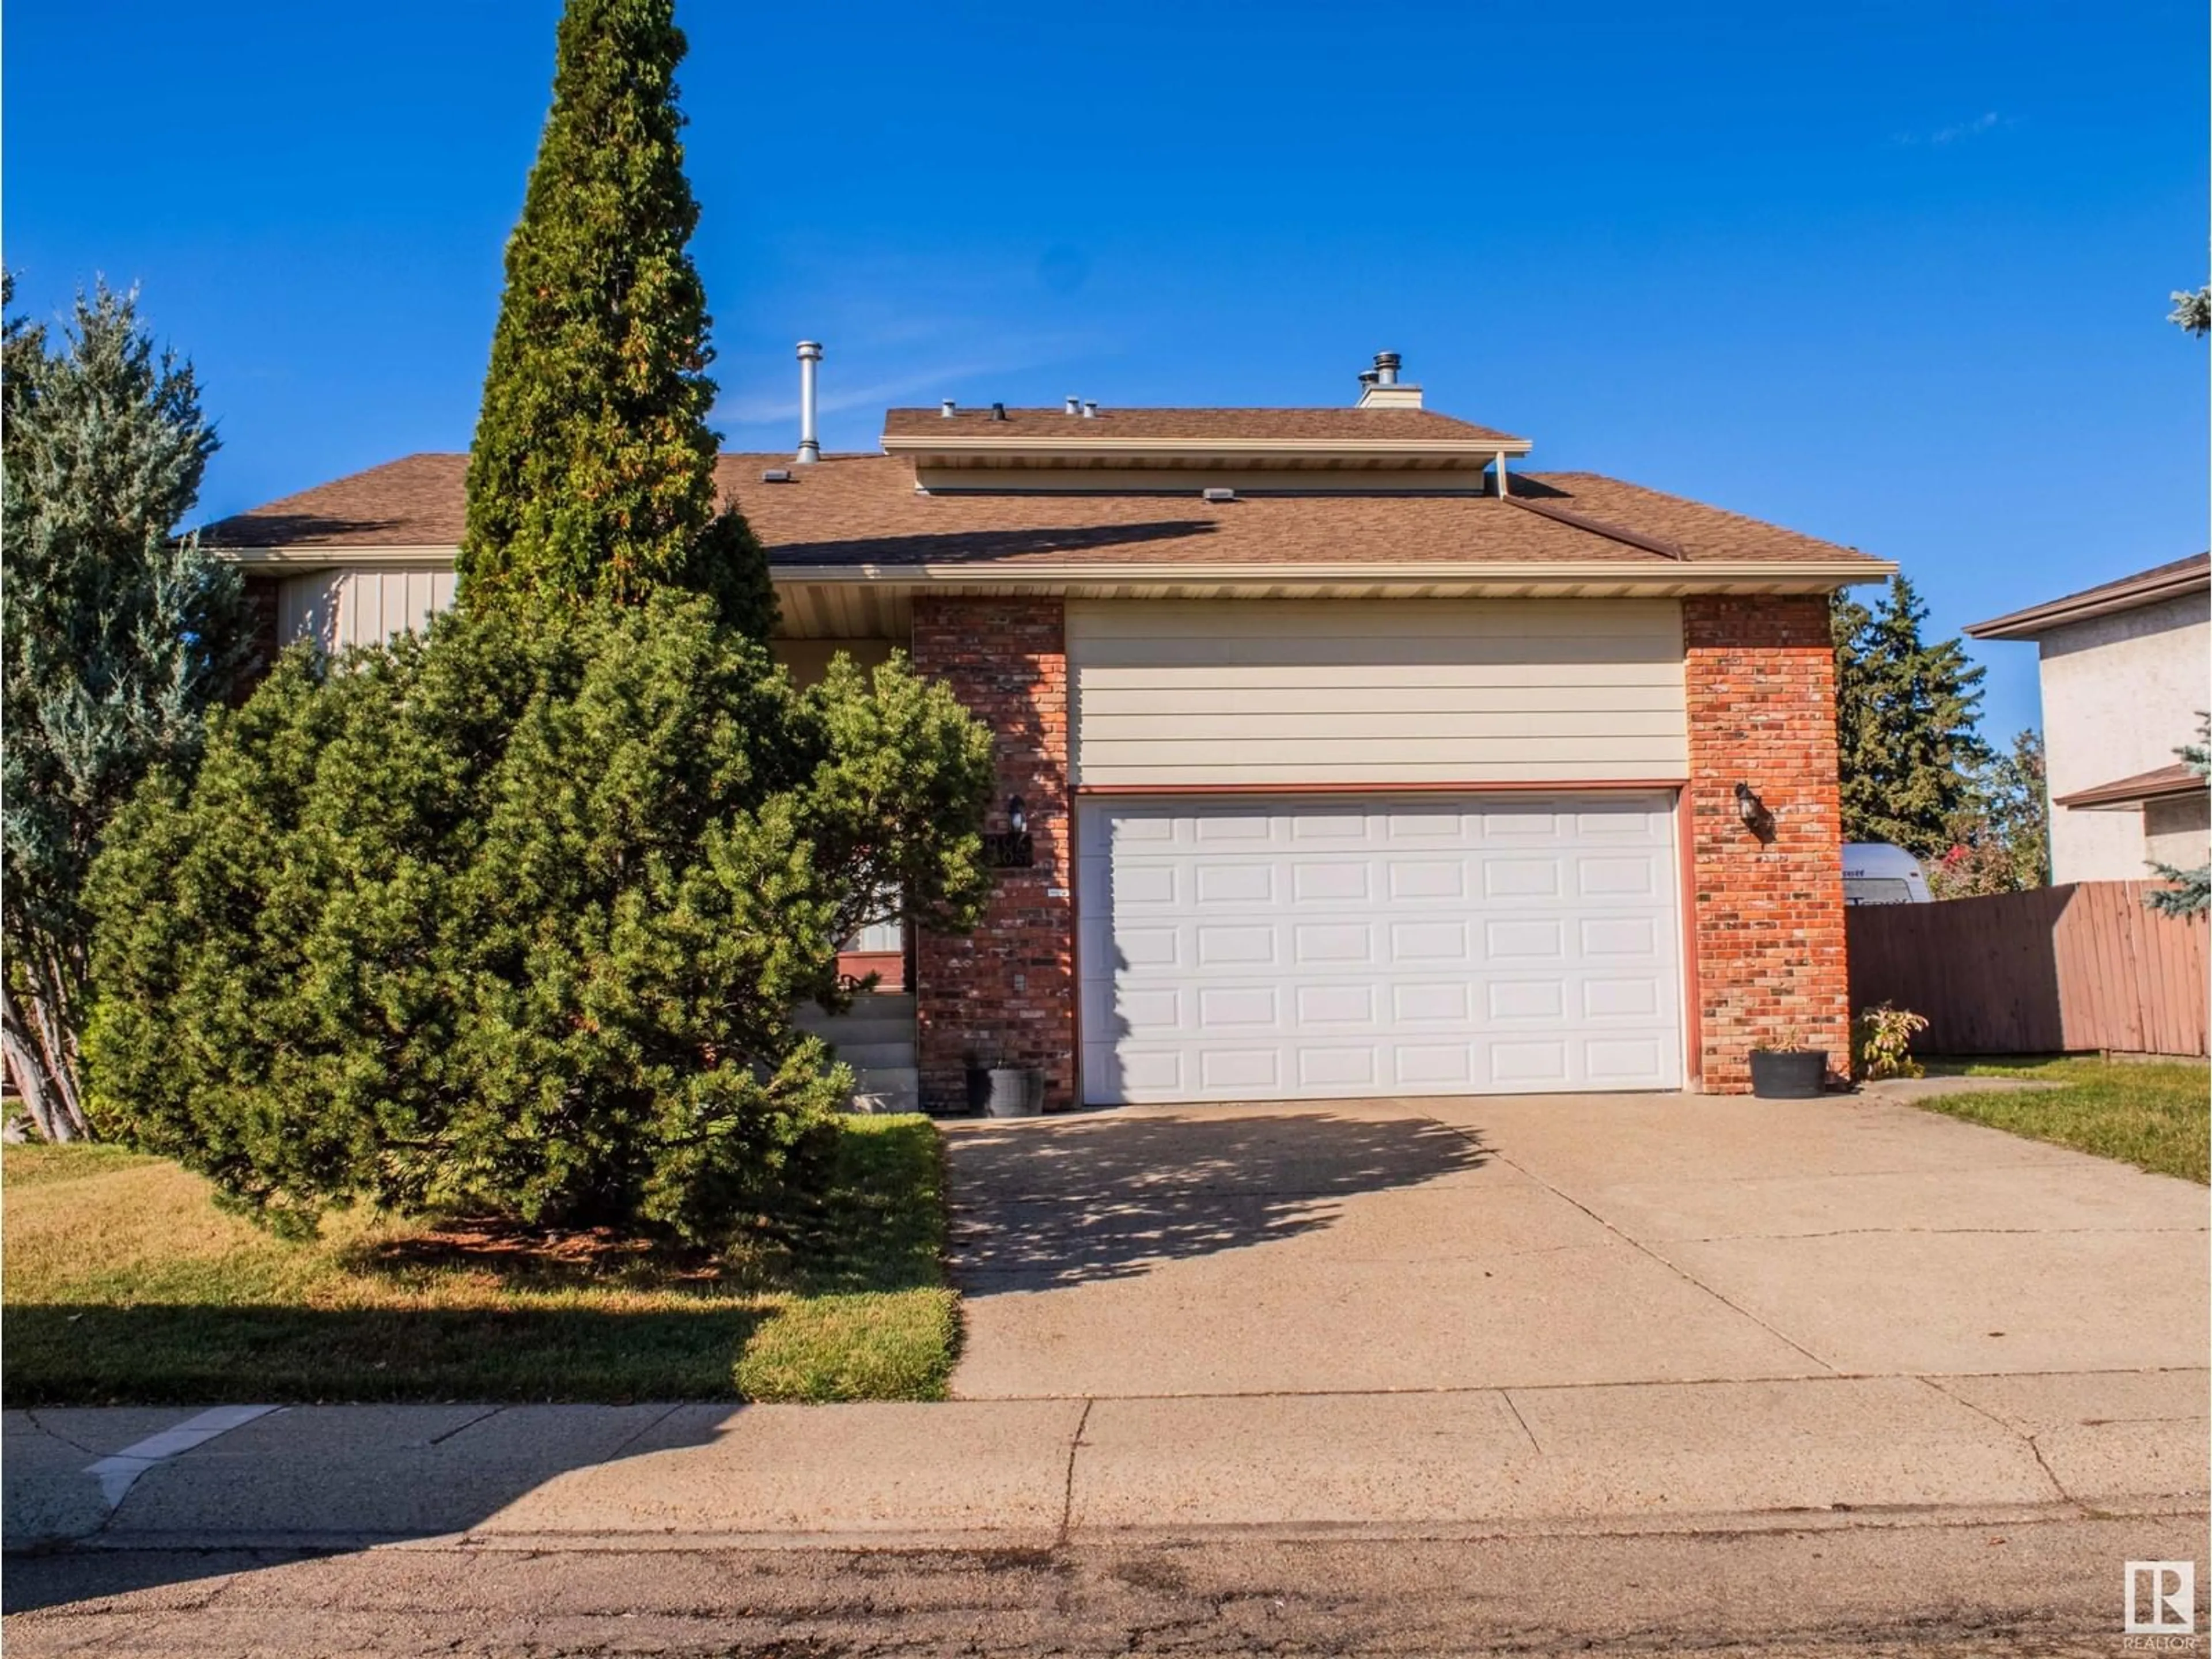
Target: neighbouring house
x=2126, y=672
x=1353, y=759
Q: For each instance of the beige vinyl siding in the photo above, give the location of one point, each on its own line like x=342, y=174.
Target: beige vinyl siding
x=1295, y=691
x=347, y=607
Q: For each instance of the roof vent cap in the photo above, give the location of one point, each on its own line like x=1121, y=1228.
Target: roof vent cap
x=1075, y=405
x=1091, y=410
x=775, y=475
x=949, y=410
x=1217, y=493
x=998, y=411
x=1381, y=388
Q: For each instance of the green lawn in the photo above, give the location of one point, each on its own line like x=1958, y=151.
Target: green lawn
x=124, y=1283
x=2152, y=1113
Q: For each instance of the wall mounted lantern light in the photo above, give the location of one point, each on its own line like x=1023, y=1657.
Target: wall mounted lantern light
x=1011, y=848
x=1753, y=812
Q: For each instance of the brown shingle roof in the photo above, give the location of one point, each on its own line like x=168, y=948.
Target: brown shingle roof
x=2175, y=778
x=415, y=502
x=1320, y=425
x=864, y=509
x=2162, y=581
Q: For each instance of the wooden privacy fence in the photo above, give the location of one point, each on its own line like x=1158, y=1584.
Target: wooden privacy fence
x=2086, y=966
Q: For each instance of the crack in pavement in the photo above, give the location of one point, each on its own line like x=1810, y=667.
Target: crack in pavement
x=643, y=1429
x=30, y=1416
x=1068, y=1494
x=463, y=1426
x=2057, y=1484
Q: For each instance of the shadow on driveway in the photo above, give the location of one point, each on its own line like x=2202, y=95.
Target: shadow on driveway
x=1040, y=1204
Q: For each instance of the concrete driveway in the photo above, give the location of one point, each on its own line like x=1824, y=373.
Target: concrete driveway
x=1542, y=1243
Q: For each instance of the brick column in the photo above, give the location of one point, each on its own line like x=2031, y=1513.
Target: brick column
x=1769, y=915
x=1010, y=984
x=261, y=608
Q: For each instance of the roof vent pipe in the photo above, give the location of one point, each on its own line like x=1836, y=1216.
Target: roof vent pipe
x=950, y=409
x=1091, y=410
x=1075, y=405
x=998, y=411
x=809, y=444
x=1386, y=369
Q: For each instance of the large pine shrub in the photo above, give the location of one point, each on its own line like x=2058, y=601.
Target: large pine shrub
x=513, y=921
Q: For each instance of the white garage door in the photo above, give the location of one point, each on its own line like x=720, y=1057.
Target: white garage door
x=1293, y=949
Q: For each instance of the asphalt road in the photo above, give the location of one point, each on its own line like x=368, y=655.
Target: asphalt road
x=2051, y=1586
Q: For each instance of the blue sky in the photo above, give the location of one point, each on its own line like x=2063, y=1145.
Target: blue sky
x=1893, y=274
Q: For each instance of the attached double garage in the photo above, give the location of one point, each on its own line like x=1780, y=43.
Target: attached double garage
x=1344, y=848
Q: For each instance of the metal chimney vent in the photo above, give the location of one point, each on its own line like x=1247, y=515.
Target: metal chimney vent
x=1091, y=410
x=1075, y=405
x=998, y=411
x=810, y=441
x=950, y=409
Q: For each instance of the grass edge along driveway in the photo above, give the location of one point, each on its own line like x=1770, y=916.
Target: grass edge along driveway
x=2150, y=1113
x=125, y=1284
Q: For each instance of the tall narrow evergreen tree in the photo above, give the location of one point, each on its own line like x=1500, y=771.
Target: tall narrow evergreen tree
x=117, y=639
x=1906, y=710
x=592, y=471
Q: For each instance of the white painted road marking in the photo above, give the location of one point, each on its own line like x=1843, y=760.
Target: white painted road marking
x=117, y=1474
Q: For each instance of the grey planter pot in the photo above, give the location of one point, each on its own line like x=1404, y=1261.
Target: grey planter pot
x=1015, y=1092
x=1789, y=1074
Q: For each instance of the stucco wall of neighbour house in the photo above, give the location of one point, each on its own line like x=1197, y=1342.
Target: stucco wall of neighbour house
x=1009, y=987
x=1322, y=692
x=2120, y=693
x=1768, y=915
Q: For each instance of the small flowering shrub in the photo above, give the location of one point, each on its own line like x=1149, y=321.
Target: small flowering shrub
x=1881, y=1042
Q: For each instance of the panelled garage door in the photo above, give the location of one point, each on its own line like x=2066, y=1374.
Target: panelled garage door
x=1285, y=948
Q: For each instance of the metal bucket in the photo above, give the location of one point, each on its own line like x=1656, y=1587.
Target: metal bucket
x=1016, y=1091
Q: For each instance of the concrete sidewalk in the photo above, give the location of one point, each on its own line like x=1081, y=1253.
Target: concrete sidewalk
x=1035, y=1473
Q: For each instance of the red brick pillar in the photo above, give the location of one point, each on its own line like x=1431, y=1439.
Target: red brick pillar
x=1011, y=984
x=1768, y=913
x=261, y=609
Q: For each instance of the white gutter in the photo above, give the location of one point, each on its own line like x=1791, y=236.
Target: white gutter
x=1668, y=573
x=1027, y=574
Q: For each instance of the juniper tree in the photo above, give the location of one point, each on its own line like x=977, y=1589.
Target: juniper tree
x=1907, y=746
x=119, y=637
x=592, y=471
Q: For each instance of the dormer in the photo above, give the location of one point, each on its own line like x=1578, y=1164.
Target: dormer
x=1386, y=443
